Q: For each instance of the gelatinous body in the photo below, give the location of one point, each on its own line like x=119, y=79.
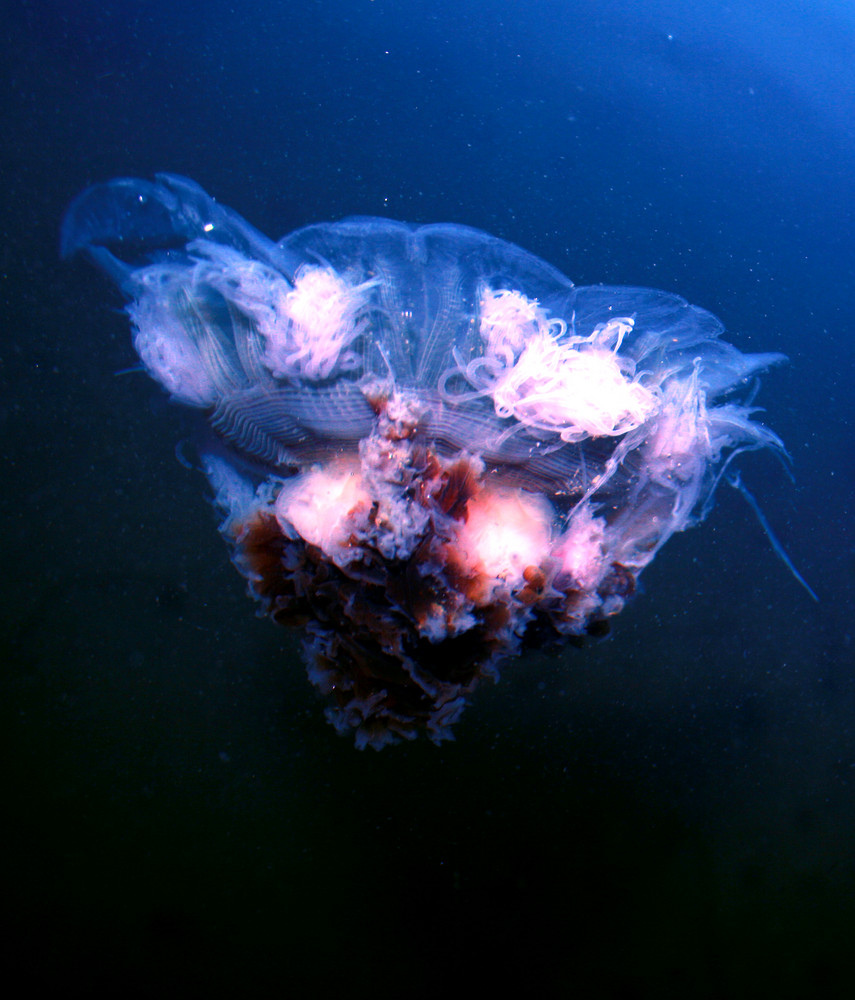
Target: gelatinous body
x=435, y=449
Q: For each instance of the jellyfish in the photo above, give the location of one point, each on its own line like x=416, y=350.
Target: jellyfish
x=430, y=449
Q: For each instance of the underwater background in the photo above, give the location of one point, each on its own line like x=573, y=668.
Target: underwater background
x=671, y=808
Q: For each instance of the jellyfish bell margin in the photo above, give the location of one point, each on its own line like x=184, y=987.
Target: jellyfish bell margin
x=433, y=449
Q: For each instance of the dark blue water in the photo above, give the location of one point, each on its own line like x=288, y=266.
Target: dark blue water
x=670, y=809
